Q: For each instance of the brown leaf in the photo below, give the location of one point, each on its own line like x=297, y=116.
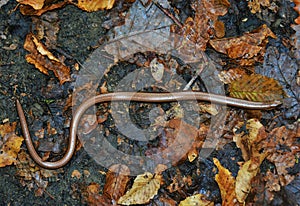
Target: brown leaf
x=230, y=75
x=226, y=184
x=247, y=46
x=95, y=5
x=198, y=199
x=44, y=60
x=282, y=146
x=256, y=87
x=198, y=29
x=255, y=5
x=144, y=188
x=10, y=144
x=116, y=181
x=297, y=9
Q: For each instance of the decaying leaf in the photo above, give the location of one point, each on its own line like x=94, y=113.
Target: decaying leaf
x=230, y=75
x=44, y=60
x=10, y=144
x=144, y=188
x=255, y=5
x=226, y=184
x=282, y=145
x=36, y=4
x=199, y=29
x=116, y=181
x=256, y=87
x=251, y=44
x=198, y=199
x=179, y=142
x=95, y=5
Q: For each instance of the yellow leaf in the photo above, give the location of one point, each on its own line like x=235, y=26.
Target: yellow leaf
x=196, y=200
x=226, y=184
x=94, y=5
x=11, y=147
x=144, y=188
x=36, y=4
x=256, y=87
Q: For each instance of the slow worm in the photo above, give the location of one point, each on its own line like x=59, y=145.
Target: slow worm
x=130, y=96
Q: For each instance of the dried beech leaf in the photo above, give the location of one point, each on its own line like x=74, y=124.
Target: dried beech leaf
x=246, y=46
x=36, y=4
x=255, y=5
x=144, y=188
x=256, y=87
x=11, y=144
x=252, y=153
x=116, y=181
x=245, y=176
x=226, y=184
x=44, y=60
x=95, y=5
x=282, y=145
x=198, y=199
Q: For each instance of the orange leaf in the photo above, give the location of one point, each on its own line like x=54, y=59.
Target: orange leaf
x=226, y=184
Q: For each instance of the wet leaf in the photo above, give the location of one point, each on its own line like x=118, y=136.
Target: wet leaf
x=282, y=67
x=226, y=184
x=10, y=144
x=251, y=150
x=44, y=60
x=282, y=146
x=95, y=5
x=256, y=87
x=250, y=45
x=94, y=198
x=198, y=199
x=144, y=188
x=116, y=181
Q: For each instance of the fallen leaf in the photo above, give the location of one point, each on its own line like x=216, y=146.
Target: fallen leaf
x=144, y=188
x=44, y=60
x=11, y=144
x=36, y=4
x=255, y=5
x=226, y=184
x=256, y=87
x=297, y=9
x=95, y=5
x=200, y=29
x=250, y=45
x=117, y=178
x=76, y=174
x=198, y=199
x=282, y=145
x=94, y=198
